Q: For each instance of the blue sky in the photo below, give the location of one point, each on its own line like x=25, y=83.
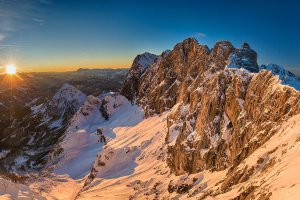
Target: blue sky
x=42, y=35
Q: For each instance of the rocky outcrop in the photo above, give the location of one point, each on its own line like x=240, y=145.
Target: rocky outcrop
x=233, y=119
x=220, y=113
x=138, y=67
x=176, y=71
x=244, y=58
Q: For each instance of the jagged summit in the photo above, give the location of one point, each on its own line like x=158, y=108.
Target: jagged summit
x=186, y=45
x=68, y=93
x=139, y=65
x=246, y=45
x=244, y=58
x=67, y=99
x=143, y=60
x=222, y=115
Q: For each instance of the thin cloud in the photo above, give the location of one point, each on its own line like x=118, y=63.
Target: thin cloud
x=2, y=37
x=15, y=15
x=39, y=21
x=48, y=2
x=200, y=35
x=12, y=46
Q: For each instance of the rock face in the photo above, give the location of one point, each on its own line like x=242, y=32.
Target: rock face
x=139, y=65
x=244, y=58
x=220, y=112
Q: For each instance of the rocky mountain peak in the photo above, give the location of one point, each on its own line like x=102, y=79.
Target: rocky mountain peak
x=244, y=58
x=165, y=53
x=142, y=61
x=139, y=65
x=220, y=53
x=67, y=97
x=65, y=102
x=189, y=44
x=69, y=93
x=223, y=46
x=245, y=45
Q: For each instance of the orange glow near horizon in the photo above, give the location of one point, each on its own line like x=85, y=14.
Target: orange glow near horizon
x=14, y=65
x=69, y=68
x=11, y=79
x=72, y=64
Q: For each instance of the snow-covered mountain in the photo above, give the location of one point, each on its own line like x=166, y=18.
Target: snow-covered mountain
x=40, y=130
x=68, y=98
x=217, y=126
x=287, y=77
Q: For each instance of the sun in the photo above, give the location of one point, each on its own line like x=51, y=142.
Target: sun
x=11, y=69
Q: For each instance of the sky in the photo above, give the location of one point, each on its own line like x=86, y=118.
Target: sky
x=62, y=35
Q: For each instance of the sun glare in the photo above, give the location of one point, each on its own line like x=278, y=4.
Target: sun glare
x=11, y=69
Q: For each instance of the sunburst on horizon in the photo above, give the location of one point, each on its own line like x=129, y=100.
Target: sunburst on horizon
x=11, y=79
x=11, y=69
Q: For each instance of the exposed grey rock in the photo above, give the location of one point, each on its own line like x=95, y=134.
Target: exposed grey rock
x=244, y=58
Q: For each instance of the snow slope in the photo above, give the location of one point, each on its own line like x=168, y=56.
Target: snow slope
x=81, y=142
x=133, y=156
x=133, y=166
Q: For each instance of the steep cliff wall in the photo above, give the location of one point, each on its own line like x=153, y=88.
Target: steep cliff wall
x=223, y=111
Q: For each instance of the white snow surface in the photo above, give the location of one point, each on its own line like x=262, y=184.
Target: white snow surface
x=81, y=143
